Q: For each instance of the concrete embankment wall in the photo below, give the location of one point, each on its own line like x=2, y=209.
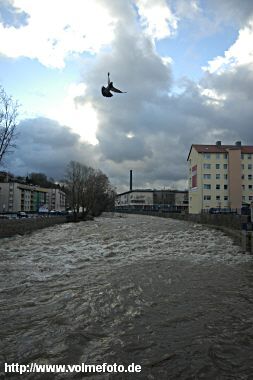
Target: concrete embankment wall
x=13, y=227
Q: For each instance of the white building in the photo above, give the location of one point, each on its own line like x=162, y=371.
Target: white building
x=57, y=199
x=135, y=199
x=152, y=200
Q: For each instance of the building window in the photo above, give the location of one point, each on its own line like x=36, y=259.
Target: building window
x=242, y=176
x=242, y=166
x=225, y=166
x=225, y=187
x=207, y=186
x=217, y=166
x=250, y=198
x=207, y=156
x=250, y=187
x=225, y=156
x=217, y=176
x=217, y=186
x=217, y=156
x=207, y=197
x=207, y=166
x=250, y=177
x=242, y=156
x=243, y=187
x=225, y=198
x=243, y=198
x=217, y=198
x=249, y=156
x=207, y=176
x=225, y=176
x=249, y=166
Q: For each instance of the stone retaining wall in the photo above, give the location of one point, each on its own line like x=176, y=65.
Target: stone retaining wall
x=13, y=227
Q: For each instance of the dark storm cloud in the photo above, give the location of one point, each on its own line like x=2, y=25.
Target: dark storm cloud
x=235, y=114
x=149, y=129
x=135, y=68
x=11, y=15
x=164, y=125
x=43, y=145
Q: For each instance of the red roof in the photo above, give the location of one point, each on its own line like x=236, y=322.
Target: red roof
x=220, y=148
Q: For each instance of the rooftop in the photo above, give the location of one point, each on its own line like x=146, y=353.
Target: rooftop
x=219, y=148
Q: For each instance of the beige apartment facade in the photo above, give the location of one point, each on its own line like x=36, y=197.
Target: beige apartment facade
x=56, y=199
x=220, y=176
x=15, y=197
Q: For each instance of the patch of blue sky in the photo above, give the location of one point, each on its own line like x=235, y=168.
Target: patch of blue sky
x=34, y=85
x=190, y=52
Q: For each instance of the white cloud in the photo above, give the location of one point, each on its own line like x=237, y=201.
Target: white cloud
x=167, y=60
x=240, y=53
x=157, y=18
x=212, y=97
x=57, y=29
x=82, y=119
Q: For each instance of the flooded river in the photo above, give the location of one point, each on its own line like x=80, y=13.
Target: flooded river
x=171, y=296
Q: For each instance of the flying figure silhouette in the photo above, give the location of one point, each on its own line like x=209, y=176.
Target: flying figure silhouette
x=106, y=91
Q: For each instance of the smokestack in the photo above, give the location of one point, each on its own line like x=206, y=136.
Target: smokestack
x=238, y=143
x=131, y=180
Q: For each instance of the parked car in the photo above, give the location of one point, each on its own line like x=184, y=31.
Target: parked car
x=213, y=210
x=22, y=214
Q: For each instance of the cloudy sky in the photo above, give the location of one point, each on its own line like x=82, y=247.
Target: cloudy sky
x=187, y=67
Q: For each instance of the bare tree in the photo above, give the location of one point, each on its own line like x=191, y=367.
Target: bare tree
x=76, y=176
x=88, y=189
x=98, y=194
x=8, y=117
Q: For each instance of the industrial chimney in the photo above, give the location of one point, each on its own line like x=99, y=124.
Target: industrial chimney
x=131, y=180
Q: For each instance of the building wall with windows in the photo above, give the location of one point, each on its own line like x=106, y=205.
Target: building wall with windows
x=57, y=200
x=220, y=176
x=135, y=199
x=152, y=199
x=15, y=197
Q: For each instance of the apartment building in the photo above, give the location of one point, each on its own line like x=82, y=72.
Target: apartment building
x=220, y=176
x=56, y=199
x=15, y=196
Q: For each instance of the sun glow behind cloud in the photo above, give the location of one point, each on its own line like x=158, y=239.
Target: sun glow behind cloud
x=82, y=119
x=157, y=18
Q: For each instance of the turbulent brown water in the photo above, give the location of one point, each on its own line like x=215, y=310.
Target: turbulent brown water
x=172, y=296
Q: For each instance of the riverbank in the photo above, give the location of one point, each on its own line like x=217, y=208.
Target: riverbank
x=9, y=228
x=234, y=225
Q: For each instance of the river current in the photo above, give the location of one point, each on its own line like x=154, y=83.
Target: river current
x=172, y=296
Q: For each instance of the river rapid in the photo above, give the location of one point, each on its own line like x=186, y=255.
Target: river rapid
x=172, y=296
